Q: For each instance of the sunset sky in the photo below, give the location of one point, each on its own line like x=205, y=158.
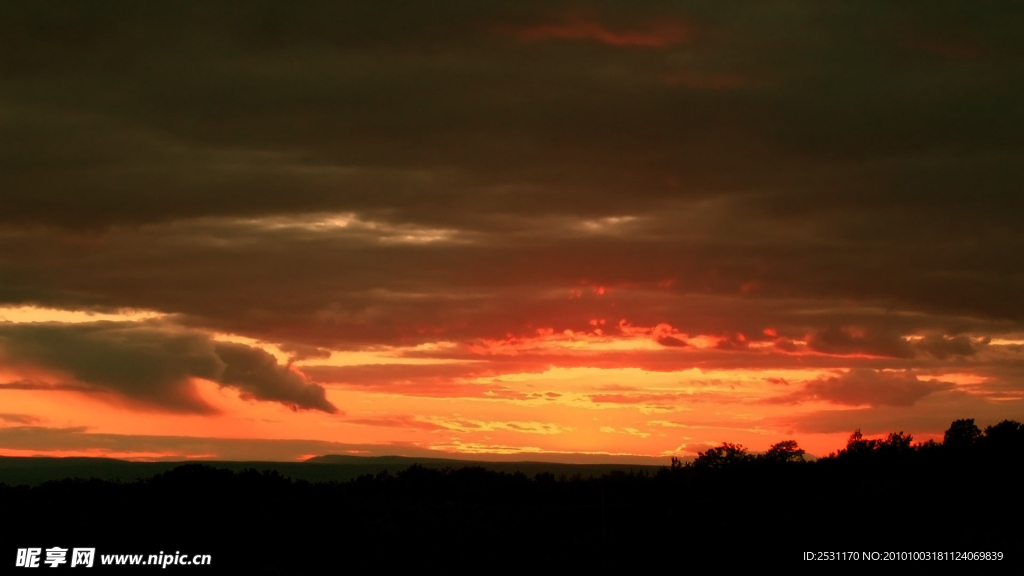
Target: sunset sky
x=584, y=231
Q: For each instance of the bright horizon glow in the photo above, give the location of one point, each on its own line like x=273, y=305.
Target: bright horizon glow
x=484, y=407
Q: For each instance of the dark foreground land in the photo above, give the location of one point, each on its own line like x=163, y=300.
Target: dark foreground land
x=727, y=509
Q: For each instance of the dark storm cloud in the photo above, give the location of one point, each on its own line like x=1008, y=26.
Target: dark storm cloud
x=847, y=173
x=122, y=112
x=150, y=364
x=866, y=387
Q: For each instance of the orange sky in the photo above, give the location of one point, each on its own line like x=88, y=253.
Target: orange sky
x=613, y=392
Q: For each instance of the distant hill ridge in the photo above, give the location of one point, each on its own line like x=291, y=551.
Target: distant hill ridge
x=392, y=459
x=331, y=467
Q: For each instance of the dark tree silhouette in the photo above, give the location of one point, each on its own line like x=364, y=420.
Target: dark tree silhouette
x=962, y=434
x=785, y=451
x=856, y=445
x=896, y=442
x=727, y=454
x=1005, y=433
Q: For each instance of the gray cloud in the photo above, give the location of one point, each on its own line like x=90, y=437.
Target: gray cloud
x=942, y=346
x=304, y=352
x=444, y=114
x=150, y=364
x=258, y=376
x=874, y=342
x=866, y=387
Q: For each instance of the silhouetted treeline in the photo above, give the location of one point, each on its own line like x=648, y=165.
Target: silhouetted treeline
x=963, y=494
